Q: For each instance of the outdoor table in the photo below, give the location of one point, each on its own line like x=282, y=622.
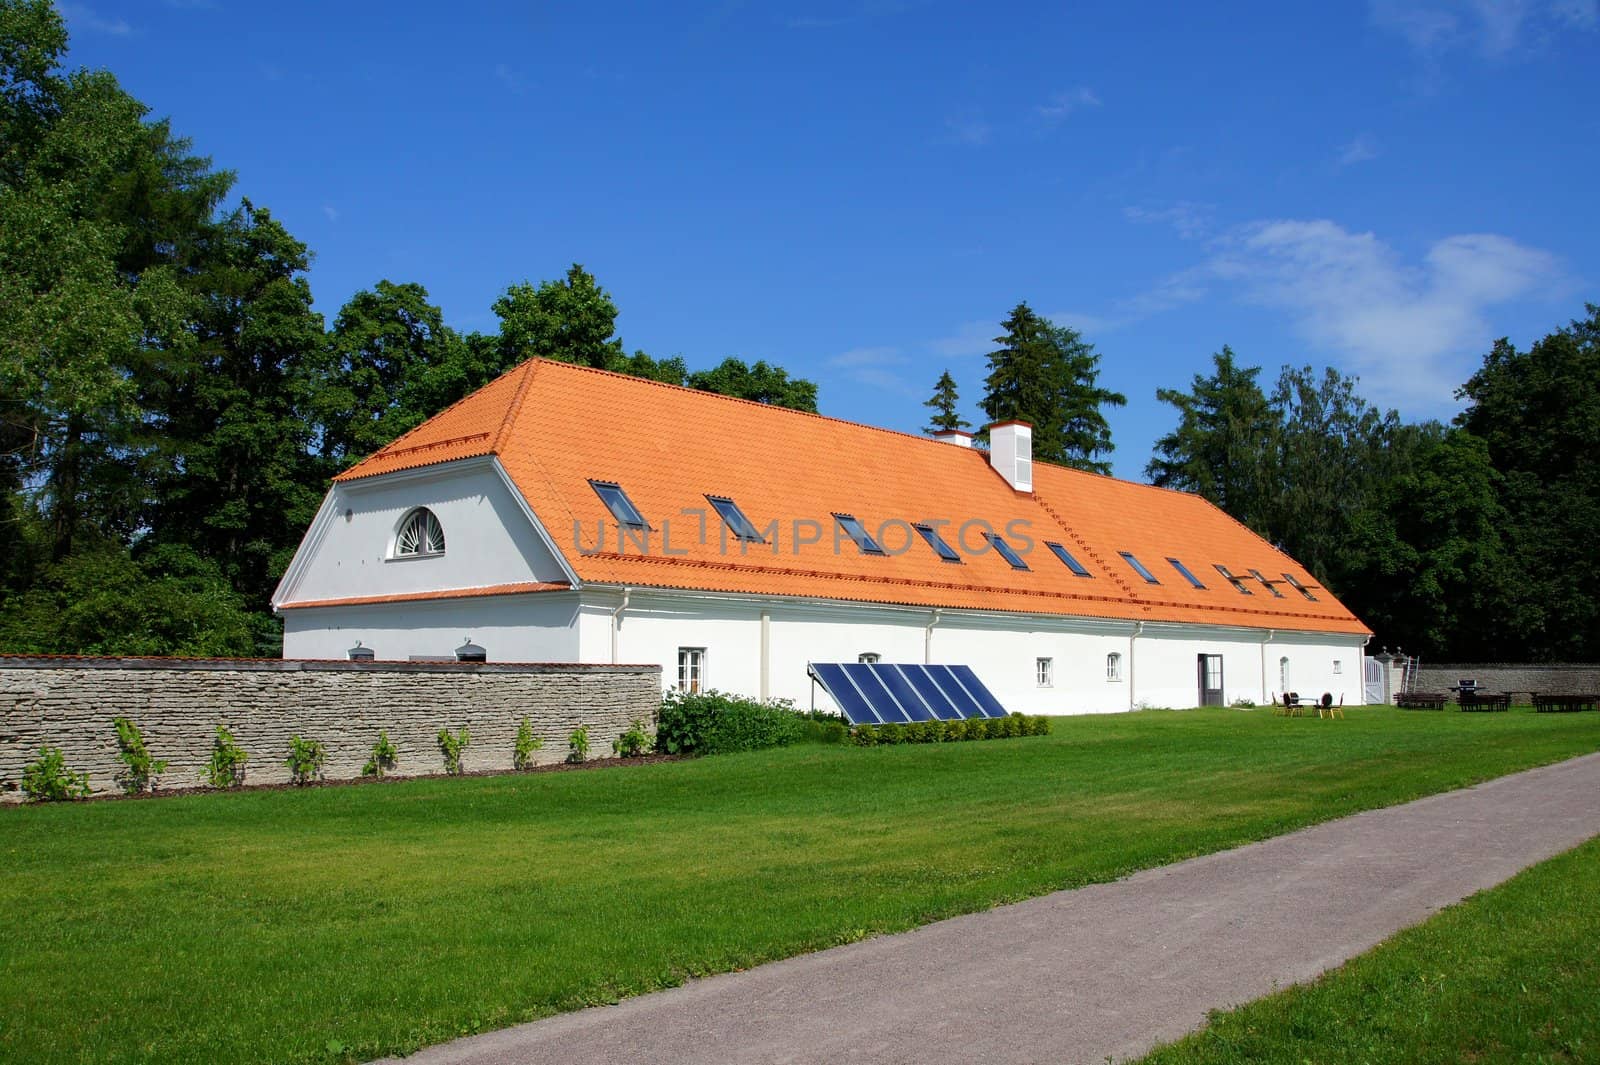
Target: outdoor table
x=1557, y=702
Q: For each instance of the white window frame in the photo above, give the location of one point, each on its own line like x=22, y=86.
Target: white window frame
x=1283, y=674
x=418, y=514
x=1114, y=667
x=692, y=669
x=1338, y=667
x=1044, y=671
x=868, y=658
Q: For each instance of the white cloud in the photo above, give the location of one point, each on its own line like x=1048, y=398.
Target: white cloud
x=1190, y=220
x=1360, y=150
x=331, y=211
x=860, y=357
x=881, y=368
x=86, y=18
x=1409, y=329
x=1063, y=104
x=1495, y=28
x=968, y=339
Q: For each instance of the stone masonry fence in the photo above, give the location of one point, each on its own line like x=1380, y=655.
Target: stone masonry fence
x=178, y=703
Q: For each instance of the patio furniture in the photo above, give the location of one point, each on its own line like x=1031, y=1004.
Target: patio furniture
x=1420, y=700
x=1326, y=705
x=1483, y=701
x=1564, y=702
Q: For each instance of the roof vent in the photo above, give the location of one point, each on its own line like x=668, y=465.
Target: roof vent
x=1011, y=453
x=953, y=436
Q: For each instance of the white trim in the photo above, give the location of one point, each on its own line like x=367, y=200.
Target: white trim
x=308, y=547
x=538, y=526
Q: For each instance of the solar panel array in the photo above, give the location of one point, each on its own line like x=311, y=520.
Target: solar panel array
x=877, y=693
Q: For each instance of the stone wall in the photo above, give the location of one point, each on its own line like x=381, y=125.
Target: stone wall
x=1519, y=680
x=178, y=703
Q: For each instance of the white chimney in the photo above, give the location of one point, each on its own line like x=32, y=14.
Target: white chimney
x=953, y=436
x=1011, y=453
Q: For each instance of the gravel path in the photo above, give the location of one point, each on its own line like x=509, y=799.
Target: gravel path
x=1102, y=971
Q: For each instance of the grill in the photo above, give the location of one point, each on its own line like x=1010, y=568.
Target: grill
x=1466, y=686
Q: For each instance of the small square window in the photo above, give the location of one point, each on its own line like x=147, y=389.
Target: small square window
x=1045, y=672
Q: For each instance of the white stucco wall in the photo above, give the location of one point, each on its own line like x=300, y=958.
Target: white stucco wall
x=489, y=539
x=1160, y=669
x=511, y=628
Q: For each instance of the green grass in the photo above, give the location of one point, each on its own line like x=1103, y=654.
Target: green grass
x=1510, y=975
x=271, y=926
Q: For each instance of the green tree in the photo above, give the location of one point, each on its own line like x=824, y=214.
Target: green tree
x=758, y=382
x=1219, y=449
x=944, y=402
x=1048, y=376
x=571, y=320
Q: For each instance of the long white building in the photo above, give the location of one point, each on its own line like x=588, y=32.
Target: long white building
x=564, y=514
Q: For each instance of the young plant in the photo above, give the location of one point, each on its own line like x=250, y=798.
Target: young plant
x=578, y=745
x=383, y=758
x=451, y=745
x=305, y=760
x=226, y=767
x=633, y=743
x=527, y=743
x=49, y=780
x=143, y=772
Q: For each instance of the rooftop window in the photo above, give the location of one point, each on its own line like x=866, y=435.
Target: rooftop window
x=1302, y=589
x=1068, y=561
x=935, y=541
x=1138, y=567
x=738, y=524
x=617, y=501
x=1004, y=550
x=858, y=532
x=1271, y=586
x=1235, y=580
x=1184, y=572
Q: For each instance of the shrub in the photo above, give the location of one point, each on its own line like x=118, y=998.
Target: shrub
x=713, y=722
x=633, y=743
x=384, y=757
x=578, y=744
x=305, y=760
x=527, y=743
x=824, y=730
x=891, y=733
x=143, y=773
x=864, y=736
x=226, y=767
x=955, y=731
x=451, y=745
x=1039, y=725
x=49, y=780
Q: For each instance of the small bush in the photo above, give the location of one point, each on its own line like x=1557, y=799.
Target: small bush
x=305, y=760
x=527, y=743
x=633, y=743
x=865, y=736
x=824, y=730
x=891, y=733
x=578, y=745
x=950, y=731
x=143, y=773
x=714, y=722
x=49, y=780
x=451, y=745
x=226, y=767
x=384, y=757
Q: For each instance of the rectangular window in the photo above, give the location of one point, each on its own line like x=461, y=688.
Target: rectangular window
x=1338, y=666
x=1003, y=549
x=1138, y=567
x=935, y=541
x=1113, y=666
x=1271, y=586
x=1302, y=589
x=1235, y=580
x=738, y=524
x=1045, y=672
x=617, y=501
x=858, y=532
x=1183, y=571
x=1068, y=561
x=691, y=669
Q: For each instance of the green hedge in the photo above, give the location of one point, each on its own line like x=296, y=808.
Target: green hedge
x=713, y=722
x=950, y=731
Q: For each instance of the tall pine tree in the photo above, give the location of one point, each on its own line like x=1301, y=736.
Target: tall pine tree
x=1220, y=448
x=943, y=403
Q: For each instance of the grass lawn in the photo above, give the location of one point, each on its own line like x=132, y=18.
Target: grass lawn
x=356, y=921
x=1510, y=975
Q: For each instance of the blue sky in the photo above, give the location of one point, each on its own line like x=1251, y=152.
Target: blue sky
x=860, y=191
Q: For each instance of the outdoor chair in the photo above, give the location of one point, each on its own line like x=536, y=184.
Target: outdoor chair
x=1327, y=706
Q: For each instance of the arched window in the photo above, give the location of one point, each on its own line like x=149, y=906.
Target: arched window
x=1113, y=666
x=420, y=534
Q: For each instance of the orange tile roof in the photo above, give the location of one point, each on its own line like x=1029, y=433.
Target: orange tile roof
x=519, y=588
x=556, y=426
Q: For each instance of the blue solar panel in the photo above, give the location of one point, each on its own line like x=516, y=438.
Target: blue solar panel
x=884, y=692
x=969, y=680
x=855, y=708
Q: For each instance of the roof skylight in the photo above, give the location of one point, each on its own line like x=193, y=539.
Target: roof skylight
x=858, y=532
x=1234, y=579
x=1004, y=550
x=1272, y=586
x=738, y=524
x=1184, y=572
x=935, y=541
x=1068, y=561
x=617, y=501
x=1302, y=589
x=1138, y=567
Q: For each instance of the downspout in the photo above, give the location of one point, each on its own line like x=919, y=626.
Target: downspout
x=766, y=657
x=1270, y=634
x=616, y=622
x=927, y=637
x=1138, y=630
